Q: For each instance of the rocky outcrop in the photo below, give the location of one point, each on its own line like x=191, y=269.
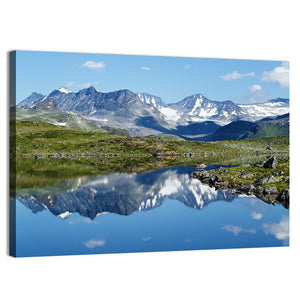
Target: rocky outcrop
x=49, y=103
x=210, y=179
x=269, y=195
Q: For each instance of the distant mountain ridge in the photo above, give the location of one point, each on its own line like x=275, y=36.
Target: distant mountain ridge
x=239, y=130
x=145, y=114
x=31, y=100
x=197, y=108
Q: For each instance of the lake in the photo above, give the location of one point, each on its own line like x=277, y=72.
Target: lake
x=162, y=210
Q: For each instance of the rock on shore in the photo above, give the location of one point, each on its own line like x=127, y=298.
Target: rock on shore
x=268, y=194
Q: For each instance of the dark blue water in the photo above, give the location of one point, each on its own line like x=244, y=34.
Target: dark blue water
x=163, y=210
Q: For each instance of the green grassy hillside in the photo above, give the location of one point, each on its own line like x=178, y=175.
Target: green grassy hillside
x=239, y=130
x=269, y=127
x=64, y=119
x=35, y=138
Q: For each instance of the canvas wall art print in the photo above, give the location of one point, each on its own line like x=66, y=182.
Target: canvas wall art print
x=134, y=153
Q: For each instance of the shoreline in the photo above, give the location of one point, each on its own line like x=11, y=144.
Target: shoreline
x=270, y=187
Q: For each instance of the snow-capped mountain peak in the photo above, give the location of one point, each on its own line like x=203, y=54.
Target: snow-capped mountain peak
x=198, y=103
x=64, y=90
x=145, y=114
x=151, y=100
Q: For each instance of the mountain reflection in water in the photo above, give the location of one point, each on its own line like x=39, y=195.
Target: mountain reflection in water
x=122, y=193
x=162, y=210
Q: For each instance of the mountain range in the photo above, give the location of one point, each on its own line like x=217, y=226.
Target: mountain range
x=194, y=117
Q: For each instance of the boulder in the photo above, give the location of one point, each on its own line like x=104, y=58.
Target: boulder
x=247, y=188
x=235, y=186
x=200, y=174
x=221, y=184
x=268, y=198
x=271, y=163
x=245, y=174
x=272, y=190
x=269, y=178
x=284, y=198
x=205, y=180
x=214, y=178
x=200, y=166
x=259, y=190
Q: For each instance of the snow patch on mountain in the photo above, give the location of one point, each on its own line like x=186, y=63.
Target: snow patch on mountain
x=169, y=113
x=99, y=91
x=265, y=109
x=172, y=185
x=64, y=215
x=64, y=90
x=60, y=123
x=197, y=104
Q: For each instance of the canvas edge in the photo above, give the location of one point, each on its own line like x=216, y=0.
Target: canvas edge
x=11, y=154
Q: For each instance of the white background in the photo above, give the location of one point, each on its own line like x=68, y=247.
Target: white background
x=225, y=29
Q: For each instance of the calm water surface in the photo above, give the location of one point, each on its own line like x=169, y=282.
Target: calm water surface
x=162, y=210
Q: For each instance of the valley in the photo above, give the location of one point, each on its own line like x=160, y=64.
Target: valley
x=65, y=135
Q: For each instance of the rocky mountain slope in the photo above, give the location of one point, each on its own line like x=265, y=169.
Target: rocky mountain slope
x=120, y=109
x=64, y=119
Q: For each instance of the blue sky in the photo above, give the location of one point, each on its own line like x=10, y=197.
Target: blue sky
x=171, y=78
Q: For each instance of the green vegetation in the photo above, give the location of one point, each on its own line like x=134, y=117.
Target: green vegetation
x=51, y=116
x=37, y=138
x=263, y=128
x=169, y=136
x=63, y=153
x=233, y=174
x=239, y=130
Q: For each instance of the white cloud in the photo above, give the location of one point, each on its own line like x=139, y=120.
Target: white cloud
x=279, y=230
x=254, y=88
x=187, y=66
x=94, y=243
x=237, y=229
x=279, y=74
x=255, y=215
x=257, y=94
x=145, y=239
x=93, y=64
x=145, y=68
x=236, y=75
